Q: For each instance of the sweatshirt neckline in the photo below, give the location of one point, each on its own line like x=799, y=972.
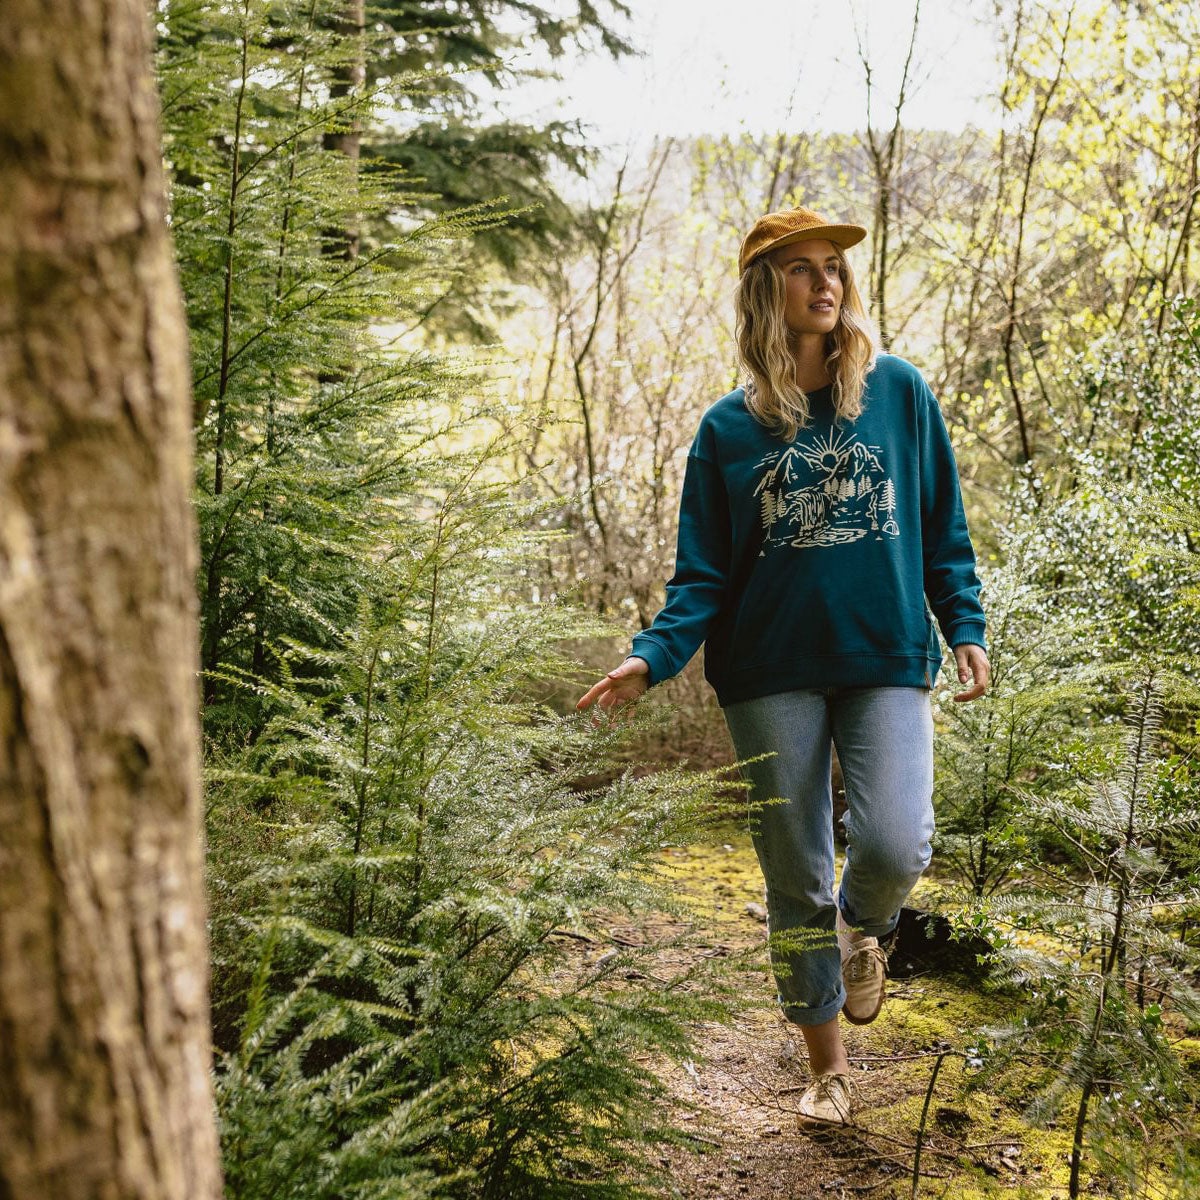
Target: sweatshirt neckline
x=825, y=389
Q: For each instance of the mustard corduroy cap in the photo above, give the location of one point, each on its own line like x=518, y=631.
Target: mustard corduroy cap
x=793, y=225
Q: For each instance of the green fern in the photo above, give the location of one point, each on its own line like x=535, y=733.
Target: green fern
x=1098, y=997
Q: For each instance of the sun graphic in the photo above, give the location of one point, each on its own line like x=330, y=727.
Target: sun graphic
x=826, y=453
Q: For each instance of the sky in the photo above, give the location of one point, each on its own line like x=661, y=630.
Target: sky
x=722, y=66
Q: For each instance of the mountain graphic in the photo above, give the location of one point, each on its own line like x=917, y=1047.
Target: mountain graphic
x=824, y=490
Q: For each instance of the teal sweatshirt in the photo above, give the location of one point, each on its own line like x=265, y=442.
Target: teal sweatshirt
x=809, y=564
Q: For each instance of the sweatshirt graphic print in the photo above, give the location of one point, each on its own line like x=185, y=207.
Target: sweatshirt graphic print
x=825, y=490
x=822, y=561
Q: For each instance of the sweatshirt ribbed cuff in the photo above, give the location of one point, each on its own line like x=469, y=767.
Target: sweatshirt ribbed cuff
x=967, y=632
x=656, y=657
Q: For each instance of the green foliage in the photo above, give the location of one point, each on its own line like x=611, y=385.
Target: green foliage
x=1104, y=955
x=447, y=140
x=423, y=874
x=309, y=418
x=1138, y=448
x=407, y=850
x=1022, y=730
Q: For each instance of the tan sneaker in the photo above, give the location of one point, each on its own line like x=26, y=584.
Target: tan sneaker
x=864, y=975
x=826, y=1101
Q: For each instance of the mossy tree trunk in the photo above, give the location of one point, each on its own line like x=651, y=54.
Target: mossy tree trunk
x=104, y=1038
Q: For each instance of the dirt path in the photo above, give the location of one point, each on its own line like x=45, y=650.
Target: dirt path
x=740, y=1097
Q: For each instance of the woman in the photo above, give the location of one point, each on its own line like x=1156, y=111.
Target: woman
x=820, y=509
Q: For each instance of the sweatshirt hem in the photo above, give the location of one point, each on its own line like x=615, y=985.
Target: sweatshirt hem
x=827, y=670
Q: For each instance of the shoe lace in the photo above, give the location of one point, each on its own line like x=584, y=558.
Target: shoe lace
x=861, y=965
x=835, y=1088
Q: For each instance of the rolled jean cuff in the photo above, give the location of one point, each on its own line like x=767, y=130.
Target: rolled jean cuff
x=799, y=1015
x=878, y=931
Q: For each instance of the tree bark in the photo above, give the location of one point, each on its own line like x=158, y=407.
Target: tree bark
x=348, y=78
x=104, y=1033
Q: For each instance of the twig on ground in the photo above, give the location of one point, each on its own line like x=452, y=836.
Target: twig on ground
x=916, y=1183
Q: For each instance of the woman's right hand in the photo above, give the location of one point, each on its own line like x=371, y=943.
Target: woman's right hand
x=628, y=682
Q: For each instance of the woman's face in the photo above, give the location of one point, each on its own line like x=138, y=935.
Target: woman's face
x=814, y=285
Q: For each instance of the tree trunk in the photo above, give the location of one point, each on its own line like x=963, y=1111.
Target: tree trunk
x=104, y=1034
x=348, y=78
x=342, y=241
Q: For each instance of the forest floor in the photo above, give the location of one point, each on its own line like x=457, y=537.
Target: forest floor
x=739, y=1096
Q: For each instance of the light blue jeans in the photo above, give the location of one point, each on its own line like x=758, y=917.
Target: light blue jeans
x=884, y=739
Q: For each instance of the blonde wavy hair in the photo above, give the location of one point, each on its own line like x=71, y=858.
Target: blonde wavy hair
x=763, y=339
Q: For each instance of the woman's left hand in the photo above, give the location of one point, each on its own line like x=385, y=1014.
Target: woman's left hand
x=973, y=661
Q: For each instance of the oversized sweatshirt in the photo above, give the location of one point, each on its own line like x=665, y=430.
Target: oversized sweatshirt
x=824, y=560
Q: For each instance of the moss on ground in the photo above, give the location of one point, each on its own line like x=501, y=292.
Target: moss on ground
x=977, y=1143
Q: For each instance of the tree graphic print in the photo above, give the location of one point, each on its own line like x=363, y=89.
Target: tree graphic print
x=887, y=504
x=770, y=509
x=825, y=489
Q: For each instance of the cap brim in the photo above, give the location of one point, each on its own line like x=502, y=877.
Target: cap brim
x=844, y=236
